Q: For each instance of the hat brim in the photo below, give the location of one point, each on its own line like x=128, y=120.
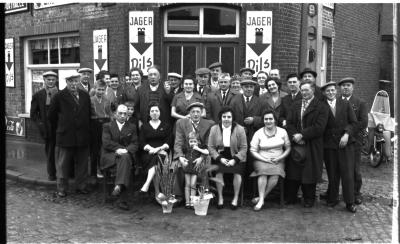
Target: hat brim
x=345, y=81
x=309, y=71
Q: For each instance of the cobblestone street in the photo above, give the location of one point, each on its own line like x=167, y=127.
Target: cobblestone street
x=34, y=215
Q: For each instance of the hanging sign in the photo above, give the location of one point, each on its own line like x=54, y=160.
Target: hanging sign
x=258, y=40
x=9, y=62
x=100, y=51
x=141, y=26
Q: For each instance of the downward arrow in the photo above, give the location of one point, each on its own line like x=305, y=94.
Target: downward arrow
x=141, y=46
x=258, y=47
x=100, y=61
x=8, y=63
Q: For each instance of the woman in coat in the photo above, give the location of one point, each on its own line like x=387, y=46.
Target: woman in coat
x=227, y=145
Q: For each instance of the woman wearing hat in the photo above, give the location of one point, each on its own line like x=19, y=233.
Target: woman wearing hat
x=269, y=146
x=227, y=144
x=184, y=98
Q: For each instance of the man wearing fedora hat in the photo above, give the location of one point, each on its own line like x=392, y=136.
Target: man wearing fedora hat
x=306, y=122
x=339, y=148
x=84, y=80
x=39, y=114
x=70, y=114
x=216, y=70
x=183, y=128
x=311, y=76
x=360, y=109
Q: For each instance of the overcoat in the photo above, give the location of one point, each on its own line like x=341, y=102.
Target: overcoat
x=268, y=103
x=39, y=113
x=286, y=105
x=215, y=103
x=71, y=118
x=314, y=121
x=114, y=139
x=360, y=110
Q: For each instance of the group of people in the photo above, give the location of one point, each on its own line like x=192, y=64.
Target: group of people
x=250, y=126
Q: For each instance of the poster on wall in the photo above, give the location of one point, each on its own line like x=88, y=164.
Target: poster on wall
x=259, y=40
x=15, y=7
x=141, y=26
x=9, y=62
x=100, y=51
x=15, y=126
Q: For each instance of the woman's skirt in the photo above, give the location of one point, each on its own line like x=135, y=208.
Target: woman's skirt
x=238, y=168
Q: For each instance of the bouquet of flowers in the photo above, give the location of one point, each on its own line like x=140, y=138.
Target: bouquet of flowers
x=166, y=172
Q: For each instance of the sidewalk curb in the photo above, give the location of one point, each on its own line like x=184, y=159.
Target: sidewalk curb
x=20, y=177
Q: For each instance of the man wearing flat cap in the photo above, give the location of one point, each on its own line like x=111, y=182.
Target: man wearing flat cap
x=85, y=76
x=216, y=70
x=247, y=73
x=174, y=80
x=70, y=114
x=360, y=109
x=309, y=75
x=183, y=128
x=339, y=148
x=40, y=105
x=202, y=83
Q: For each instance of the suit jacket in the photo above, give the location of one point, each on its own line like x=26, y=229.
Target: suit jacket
x=286, y=105
x=183, y=127
x=312, y=127
x=207, y=90
x=268, y=103
x=142, y=103
x=39, y=113
x=80, y=86
x=238, y=142
x=113, y=97
x=342, y=122
x=360, y=110
x=71, y=120
x=127, y=93
x=114, y=139
x=254, y=109
x=215, y=103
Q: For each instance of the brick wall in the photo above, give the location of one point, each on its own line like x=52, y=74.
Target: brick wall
x=356, y=47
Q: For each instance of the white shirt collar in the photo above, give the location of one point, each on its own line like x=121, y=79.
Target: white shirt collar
x=332, y=103
x=346, y=98
x=119, y=125
x=154, y=88
x=248, y=97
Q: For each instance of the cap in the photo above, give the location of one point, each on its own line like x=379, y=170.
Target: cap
x=308, y=70
x=194, y=104
x=247, y=69
x=330, y=83
x=347, y=80
x=202, y=71
x=173, y=74
x=248, y=82
x=50, y=73
x=73, y=75
x=85, y=70
x=215, y=65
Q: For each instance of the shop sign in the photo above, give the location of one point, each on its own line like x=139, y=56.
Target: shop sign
x=141, y=26
x=15, y=126
x=9, y=62
x=15, y=7
x=258, y=40
x=100, y=51
x=47, y=5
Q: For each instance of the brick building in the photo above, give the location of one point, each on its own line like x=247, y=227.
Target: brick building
x=336, y=40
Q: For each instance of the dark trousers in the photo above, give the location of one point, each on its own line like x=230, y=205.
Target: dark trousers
x=292, y=187
x=96, y=131
x=49, y=148
x=357, y=171
x=124, y=168
x=179, y=182
x=339, y=165
x=68, y=157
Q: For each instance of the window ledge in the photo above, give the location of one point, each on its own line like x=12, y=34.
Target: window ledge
x=26, y=116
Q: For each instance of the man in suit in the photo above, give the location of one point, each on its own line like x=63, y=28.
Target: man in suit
x=222, y=97
x=85, y=77
x=360, y=109
x=115, y=92
x=120, y=143
x=306, y=124
x=183, y=127
x=40, y=105
x=216, y=70
x=70, y=114
x=202, y=83
x=174, y=81
x=339, y=148
x=293, y=84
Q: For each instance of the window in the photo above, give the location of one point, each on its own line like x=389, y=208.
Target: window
x=59, y=53
x=324, y=61
x=201, y=22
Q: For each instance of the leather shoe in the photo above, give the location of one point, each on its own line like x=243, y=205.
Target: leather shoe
x=117, y=190
x=61, y=194
x=82, y=191
x=358, y=200
x=332, y=204
x=351, y=207
x=220, y=206
x=123, y=206
x=233, y=207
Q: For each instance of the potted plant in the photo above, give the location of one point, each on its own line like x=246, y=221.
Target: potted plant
x=165, y=172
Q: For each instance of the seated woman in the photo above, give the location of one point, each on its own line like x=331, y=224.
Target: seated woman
x=154, y=139
x=269, y=147
x=227, y=144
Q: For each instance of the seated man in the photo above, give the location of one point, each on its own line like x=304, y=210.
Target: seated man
x=120, y=143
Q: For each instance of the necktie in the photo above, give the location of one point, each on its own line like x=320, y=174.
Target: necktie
x=201, y=90
x=293, y=96
x=48, y=98
x=247, y=99
x=223, y=97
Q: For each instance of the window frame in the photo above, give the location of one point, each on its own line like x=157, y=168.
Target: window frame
x=201, y=24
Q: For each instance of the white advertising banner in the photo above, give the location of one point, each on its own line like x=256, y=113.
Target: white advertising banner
x=258, y=40
x=141, y=48
x=9, y=62
x=100, y=51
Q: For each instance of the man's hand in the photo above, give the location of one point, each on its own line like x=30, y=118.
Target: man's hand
x=248, y=120
x=183, y=161
x=121, y=151
x=344, y=140
x=297, y=137
x=197, y=163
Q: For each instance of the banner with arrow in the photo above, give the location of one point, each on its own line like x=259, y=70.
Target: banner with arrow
x=9, y=61
x=100, y=51
x=141, y=26
x=258, y=40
